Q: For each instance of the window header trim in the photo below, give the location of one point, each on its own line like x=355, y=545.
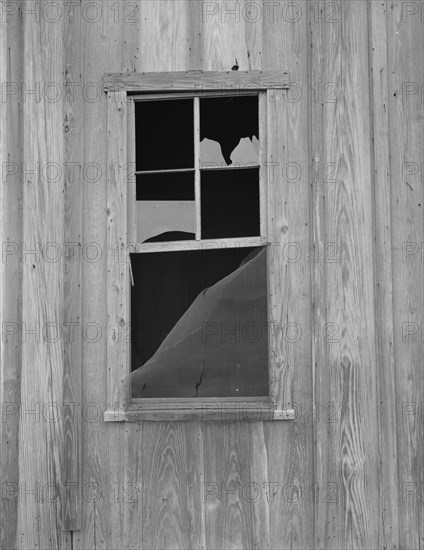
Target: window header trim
x=195, y=80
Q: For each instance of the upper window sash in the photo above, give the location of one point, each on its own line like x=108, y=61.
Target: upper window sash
x=199, y=242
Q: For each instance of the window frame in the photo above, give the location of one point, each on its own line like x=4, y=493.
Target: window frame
x=193, y=244
x=121, y=233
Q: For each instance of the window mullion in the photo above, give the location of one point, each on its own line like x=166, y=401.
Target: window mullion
x=196, y=118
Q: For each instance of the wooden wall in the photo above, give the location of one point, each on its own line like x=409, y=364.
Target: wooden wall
x=348, y=472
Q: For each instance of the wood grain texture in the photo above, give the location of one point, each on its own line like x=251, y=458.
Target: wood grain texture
x=405, y=38
x=226, y=41
x=345, y=365
x=249, y=412
x=72, y=362
x=11, y=65
x=107, y=44
x=41, y=435
x=118, y=259
x=237, y=513
x=379, y=98
x=290, y=451
x=172, y=478
x=194, y=35
x=195, y=80
x=124, y=506
x=280, y=281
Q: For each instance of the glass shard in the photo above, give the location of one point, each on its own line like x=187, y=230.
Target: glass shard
x=227, y=120
x=211, y=154
x=246, y=153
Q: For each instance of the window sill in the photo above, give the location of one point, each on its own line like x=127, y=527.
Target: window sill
x=250, y=411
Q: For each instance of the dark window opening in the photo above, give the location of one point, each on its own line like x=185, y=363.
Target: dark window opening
x=199, y=324
x=164, y=134
x=232, y=122
x=230, y=203
x=173, y=186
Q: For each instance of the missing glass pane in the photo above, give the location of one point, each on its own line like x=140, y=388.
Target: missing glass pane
x=229, y=131
x=230, y=203
x=165, y=207
x=164, y=134
x=199, y=324
x=174, y=186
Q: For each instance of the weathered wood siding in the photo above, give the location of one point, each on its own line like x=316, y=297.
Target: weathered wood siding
x=349, y=471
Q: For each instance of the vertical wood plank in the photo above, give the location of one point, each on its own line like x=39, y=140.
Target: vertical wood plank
x=225, y=40
x=164, y=27
x=109, y=43
x=389, y=503
x=280, y=279
x=11, y=66
x=41, y=435
x=195, y=14
x=97, y=497
x=72, y=362
x=405, y=39
x=131, y=490
x=345, y=365
x=290, y=452
x=118, y=262
x=172, y=472
x=124, y=504
x=236, y=474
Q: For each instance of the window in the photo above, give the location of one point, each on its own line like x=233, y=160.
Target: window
x=190, y=265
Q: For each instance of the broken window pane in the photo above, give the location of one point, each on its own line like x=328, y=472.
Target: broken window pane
x=162, y=221
x=199, y=324
x=174, y=186
x=229, y=131
x=211, y=154
x=230, y=203
x=164, y=134
x=166, y=210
